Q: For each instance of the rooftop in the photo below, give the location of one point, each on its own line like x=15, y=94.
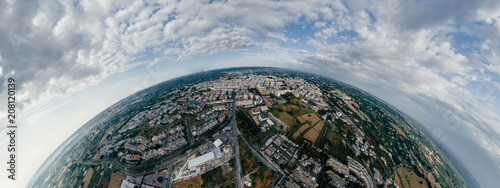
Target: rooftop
x=201, y=159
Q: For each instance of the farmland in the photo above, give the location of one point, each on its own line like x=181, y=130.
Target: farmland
x=407, y=178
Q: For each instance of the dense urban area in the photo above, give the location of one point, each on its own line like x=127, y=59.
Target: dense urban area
x=254, y=127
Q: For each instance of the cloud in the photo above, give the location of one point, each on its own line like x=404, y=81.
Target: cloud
x=411, y=51
x=434, y=52
x=57, y=47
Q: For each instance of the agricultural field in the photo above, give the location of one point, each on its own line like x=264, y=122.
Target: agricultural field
x=301, y=129
x=401, y=132
x=312, y=118
x=116, y=179
x=311, y=135
x=319, y=126
x=433, y=182
x=88, y=176
x=406, y=178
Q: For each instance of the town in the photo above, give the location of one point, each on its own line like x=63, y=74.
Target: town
x=246, y=129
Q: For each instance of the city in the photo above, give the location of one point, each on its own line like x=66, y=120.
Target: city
x=252, y=129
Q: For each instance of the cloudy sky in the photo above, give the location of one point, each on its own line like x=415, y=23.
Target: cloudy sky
x=437, y=61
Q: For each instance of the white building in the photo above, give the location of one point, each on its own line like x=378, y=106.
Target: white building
x=217, y=143
x=201, y=160
x=126, y=184
x=270, y=122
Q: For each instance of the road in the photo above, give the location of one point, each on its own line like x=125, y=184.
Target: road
x=233, y=139
x=278, y=122
x=124, y=167
x=188, y=129
x=170, y=175
x=172, y=159
x=265, y=161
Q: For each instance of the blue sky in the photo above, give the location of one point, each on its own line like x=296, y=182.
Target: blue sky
x=437, y=61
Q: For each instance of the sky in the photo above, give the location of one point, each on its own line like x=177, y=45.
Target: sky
x=437, y=61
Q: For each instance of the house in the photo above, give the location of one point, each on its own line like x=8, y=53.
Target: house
x=255, y=111
x=264, y=109
x=263, y=117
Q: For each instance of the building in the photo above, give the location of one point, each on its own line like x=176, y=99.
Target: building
x=217, y=152
x=255, y=111
x=201, y=160
x=217, y=143
x=271, y=123
x=263, y=117
x=264, y=108
x=280, y=100
x=127, y=184
x=338, y=166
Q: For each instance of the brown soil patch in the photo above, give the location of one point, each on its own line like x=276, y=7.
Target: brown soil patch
x=301, y=119
x=298, y=132
x=96, y=157
x=319, y=126
x=248, y=161
x=311, y=135
x=193, y=183
x=116, y=179
x=264, y=178
x=88, y=176
x=311, y=118
x=433, y=182
x=398, y=130
x=408, y=179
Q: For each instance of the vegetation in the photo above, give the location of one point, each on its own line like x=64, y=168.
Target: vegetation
x=252, y=132
x=285, y=118
x=260, y=175
x=406, y=178
x=192, y=183
x=248, y=160
x=215, y=178
x=151, y=132
x=388, y=127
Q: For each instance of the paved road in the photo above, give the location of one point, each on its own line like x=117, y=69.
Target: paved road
x=158, y=166
x=234, y=137
x=265, y=161
x=169, y=165
x=189, y=131
x=170, y=175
